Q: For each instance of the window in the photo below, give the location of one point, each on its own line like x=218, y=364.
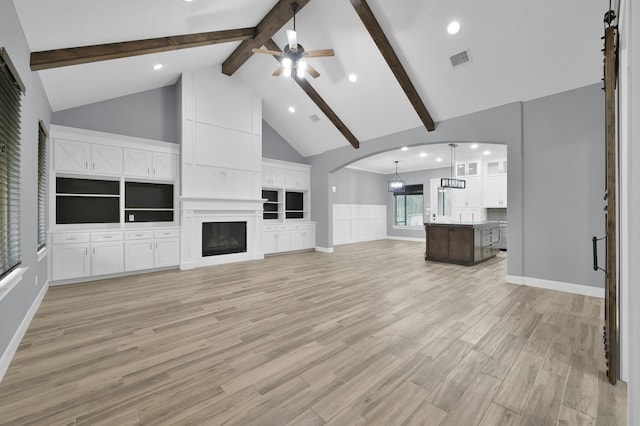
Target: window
x=11, y=89
x=43, y=136
x=409, y=206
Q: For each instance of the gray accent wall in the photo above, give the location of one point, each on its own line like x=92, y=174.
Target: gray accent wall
x=153, y=114
x=359, y=187
x=276, y=147
x=411, y=178
x=35, y=106
x=564, y=181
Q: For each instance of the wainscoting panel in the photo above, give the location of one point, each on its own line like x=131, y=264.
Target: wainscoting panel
x=354, y=223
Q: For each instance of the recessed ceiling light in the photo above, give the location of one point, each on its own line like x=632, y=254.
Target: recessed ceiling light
x=453, y=27
x=487, y=153
x=404, y=148
x=158, y=67
x=187, y=1
x=438, y=159
x=474, y=146
x=353, y=78
x=292, y=109
x=423, y=154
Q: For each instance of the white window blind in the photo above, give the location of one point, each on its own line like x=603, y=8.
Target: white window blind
x=11, y=89
x=43, y=136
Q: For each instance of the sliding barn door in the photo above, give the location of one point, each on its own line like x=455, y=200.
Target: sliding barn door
x=611, y=289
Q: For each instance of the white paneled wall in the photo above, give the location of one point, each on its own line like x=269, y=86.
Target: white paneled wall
x=353, y=223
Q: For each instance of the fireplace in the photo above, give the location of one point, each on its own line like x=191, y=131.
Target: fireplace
x=223, y=238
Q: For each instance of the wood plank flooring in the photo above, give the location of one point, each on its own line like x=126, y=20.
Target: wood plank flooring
x=371, y=334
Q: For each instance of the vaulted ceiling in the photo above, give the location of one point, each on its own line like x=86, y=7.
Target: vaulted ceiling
x=520, y=50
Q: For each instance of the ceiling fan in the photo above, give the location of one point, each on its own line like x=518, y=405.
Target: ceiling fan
x=294, y=55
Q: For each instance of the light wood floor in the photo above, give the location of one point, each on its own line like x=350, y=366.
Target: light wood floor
x=371, y=334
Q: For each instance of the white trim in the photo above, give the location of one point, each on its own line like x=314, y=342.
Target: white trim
x=393, y=237
x=10, y=281
x=324, y=249
x=8, y=354
x=584, y=290
x=42, y=253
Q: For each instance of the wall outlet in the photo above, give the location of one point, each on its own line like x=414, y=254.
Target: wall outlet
x=131, y=218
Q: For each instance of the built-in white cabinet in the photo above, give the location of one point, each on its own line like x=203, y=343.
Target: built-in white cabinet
x=296, y=179
x=86, y=254
x=288, y=237
x=148, y=164
x=471, y=196
x=84, y=157
x=272, y=177
x=146, y=249
x=70, y=261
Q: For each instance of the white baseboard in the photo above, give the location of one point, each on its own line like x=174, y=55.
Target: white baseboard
x=584, y=290
x=8, y=354
x=324, y=249
x=419, y=240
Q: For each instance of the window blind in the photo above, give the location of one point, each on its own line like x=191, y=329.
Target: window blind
x=43, y=136
x=11, y=89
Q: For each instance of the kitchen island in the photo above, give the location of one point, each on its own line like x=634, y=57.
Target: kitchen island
x=464, y=243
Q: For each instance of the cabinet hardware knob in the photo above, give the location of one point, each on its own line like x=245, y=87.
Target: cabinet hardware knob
x=94, y=165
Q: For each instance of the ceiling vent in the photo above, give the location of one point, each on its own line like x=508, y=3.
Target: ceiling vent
x=460, y=58
x=314, y=118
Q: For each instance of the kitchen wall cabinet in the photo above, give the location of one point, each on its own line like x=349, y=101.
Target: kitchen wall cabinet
x=468, y=168
x=495, y=191
x=496, y=167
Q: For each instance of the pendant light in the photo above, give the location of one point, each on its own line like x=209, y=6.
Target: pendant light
x=396, y=184
x=452, y=182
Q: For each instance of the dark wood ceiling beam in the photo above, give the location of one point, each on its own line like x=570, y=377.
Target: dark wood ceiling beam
x=378, y=36
x=277, y=17
x=317, y=99
x=102, y=52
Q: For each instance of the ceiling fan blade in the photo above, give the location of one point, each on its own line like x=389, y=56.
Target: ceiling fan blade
x=267, y=51
x=293, y=40
x=278, y=71
x=319, y=53
x=312, y=71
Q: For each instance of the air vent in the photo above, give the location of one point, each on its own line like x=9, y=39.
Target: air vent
x=314, y=118
x=460, y=58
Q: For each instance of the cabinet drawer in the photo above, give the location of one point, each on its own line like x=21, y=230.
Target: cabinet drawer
x=106, y=236
x=138, y=235
x=310, y=226
x=269, y=228
x=71, y=238
x=165, y=233
x=297, y=227
x=284, y=228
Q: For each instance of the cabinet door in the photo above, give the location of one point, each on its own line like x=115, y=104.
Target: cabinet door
x=71, y=156
x=309, y=238
x=269, y=242
x=475, y=214
x=70, y=261
x=273, y=178
x=461, y=244
x=167, y=252
x=492, y=191
x=474, y=192
x=459, y=198
x=107, y=258
x=138, y=254
x=284, y=241
x=296, y=179
x=137, y=163
x=297, y=239
x=164, y=165
x=106, y=159
x=438, y=242
x=503, y=190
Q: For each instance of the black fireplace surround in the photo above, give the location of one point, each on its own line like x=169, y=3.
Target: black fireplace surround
x=223, y=238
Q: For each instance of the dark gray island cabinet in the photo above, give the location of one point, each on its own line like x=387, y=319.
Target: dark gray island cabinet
x=464, y=243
